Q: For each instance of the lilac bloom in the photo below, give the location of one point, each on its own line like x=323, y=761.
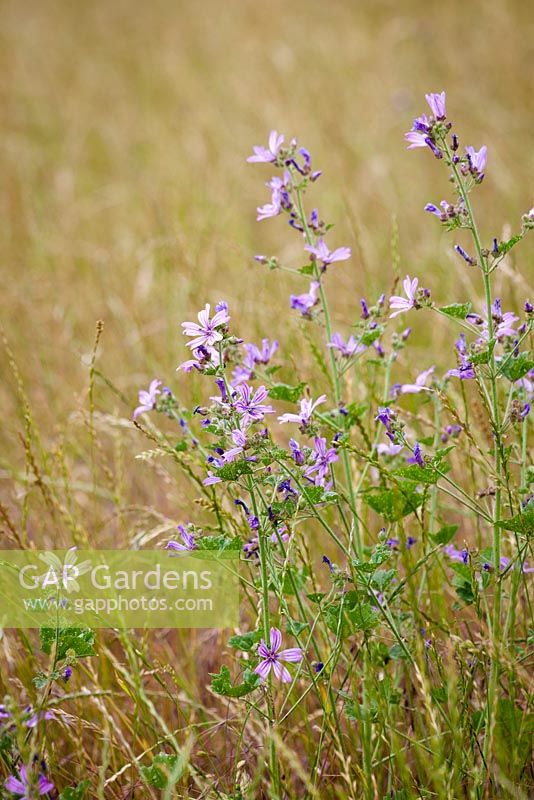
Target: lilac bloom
x=203, y=357
x=401, y=304
x=188, y=541
x=388, y=449
x=147, y=399
x=23, y=785
x=477, y=160
x=461, y=556
x=322, y=253
x=272, y=657
x=502, y=322
x=269, y=153
x=527, y=383
x=351, y=348
x=250, y=404
x=205, y=332
x=211, y=479
x=466, y=257
x=437, y=104
x=35, y=717
x=416, y=139
x=263, y=356
x=417, y=457
x=420, y=383
x=269, y=210
x=323, y=457
x=307, y=407
x=386, y=416
x=464, y=371
x=305, y=302
x=422, y=124
x=296, y=452
x=240, y=441
x=441, y=213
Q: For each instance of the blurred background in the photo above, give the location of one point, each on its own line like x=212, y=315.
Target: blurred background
x=126, y=195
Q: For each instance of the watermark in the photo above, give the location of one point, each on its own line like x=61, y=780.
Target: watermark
x=119, y=588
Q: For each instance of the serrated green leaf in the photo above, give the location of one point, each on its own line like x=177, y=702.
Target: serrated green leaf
x=78, y=640
x=516, y=367
x=414, y=472
x=75, y=792
x=222, y=684
x=233, y=471
x=164, y=770
x=393, y=504
x=456, y=310
x=282, y=391
x=521, y=523
x=219, y=543
x=245, y=641
x=445, y=534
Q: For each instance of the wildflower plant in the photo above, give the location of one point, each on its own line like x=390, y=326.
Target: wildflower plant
x=423, y=506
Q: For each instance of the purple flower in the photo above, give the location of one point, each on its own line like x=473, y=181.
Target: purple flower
x=24, y=784
x=417, y=457
x=205, y=332
x=465, y=369
x=250, y=404
x=461, y=556
x=269, y=210
x=477, y=160
x=401, y=304
x=188, y=541
x=417, y=139
x=503, y=322
x=466, y=257
x=35, y=717
x=322, y=253
x=269, y=153
x=203, y=357
x=272, y=657
x=307, y=407
x=422, y=124
x=388, y=449
x=296, y=452
x=419, y=385
x=323, y=457
x=351, y=348
x=437, y=104
x=211, y=479
x=147, y=399
x=305, y=302
x=386, y=416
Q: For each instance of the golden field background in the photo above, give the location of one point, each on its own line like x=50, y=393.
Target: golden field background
x=126, y=195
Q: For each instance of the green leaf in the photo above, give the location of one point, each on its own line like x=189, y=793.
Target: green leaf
x=364, y=617
x=75, y=792
x=392, y=504
x=245, y=641
x=78, y=640
x=221, y=683
x=307, y=269
x=456, y=310
x=164, y=770
x=295, y=628
x=445, y=534
x=514, y=368
x=418, y=474
x=505, y=247
x=372, y=335
x=282, y=391
x=231, y=472
x=219, y=543
x=521, y=523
